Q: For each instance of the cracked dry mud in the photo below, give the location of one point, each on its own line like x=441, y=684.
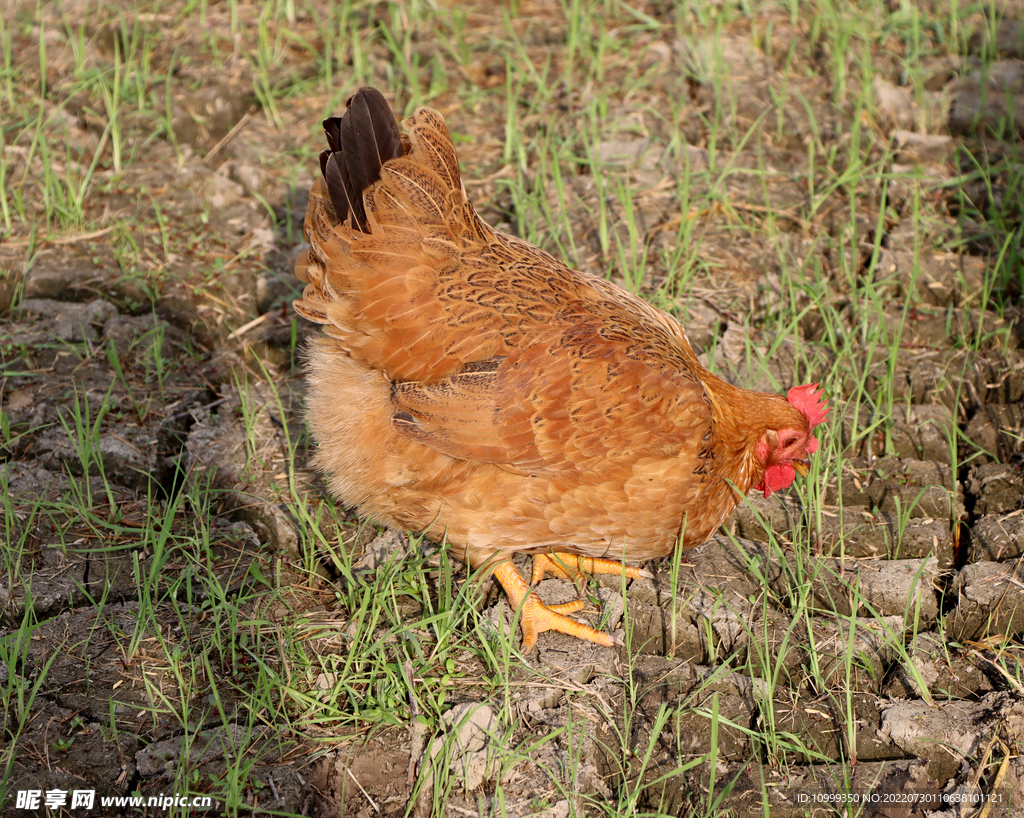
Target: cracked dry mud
x=916, y=570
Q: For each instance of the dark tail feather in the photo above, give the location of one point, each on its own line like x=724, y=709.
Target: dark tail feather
x=359, y=143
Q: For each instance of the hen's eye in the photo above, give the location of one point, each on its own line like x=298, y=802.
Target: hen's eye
x=790, y=441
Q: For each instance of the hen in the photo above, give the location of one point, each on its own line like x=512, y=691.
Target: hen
x=472, y=387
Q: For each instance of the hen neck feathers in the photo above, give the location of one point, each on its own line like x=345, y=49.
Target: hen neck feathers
x=740, y=418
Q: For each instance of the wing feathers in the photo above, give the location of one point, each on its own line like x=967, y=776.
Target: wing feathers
x=537, y=412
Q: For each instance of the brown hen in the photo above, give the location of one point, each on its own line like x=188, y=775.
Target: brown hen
x=472, y=387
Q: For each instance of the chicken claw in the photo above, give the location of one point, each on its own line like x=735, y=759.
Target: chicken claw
x=572, y=566
x=535, y=617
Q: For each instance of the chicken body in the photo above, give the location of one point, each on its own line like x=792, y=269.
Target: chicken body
x=473, y=387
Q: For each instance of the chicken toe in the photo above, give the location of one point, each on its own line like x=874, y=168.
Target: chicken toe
x=571, y=566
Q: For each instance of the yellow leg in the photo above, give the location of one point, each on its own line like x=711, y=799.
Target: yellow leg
x=535, y=617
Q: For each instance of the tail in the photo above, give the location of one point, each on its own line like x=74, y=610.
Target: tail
x=388, y=214
x=359, y=143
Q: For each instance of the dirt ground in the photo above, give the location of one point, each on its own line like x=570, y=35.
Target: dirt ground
x=152, y=389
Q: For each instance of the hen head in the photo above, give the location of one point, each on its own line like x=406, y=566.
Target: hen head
x=784, y=451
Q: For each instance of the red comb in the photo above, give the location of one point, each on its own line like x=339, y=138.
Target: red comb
x=808, y=399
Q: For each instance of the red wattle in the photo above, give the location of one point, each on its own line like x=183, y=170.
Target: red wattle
x=777, y=477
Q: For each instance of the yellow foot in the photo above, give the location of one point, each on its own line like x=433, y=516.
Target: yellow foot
x=535, y=617
x=572, y=566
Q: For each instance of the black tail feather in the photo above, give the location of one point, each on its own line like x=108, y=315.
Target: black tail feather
x=359, y=143
x=332, y=128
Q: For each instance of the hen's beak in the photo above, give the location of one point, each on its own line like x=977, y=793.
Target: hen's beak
x=802, y=468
